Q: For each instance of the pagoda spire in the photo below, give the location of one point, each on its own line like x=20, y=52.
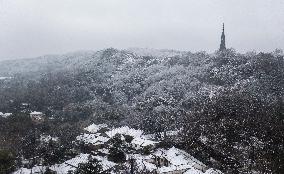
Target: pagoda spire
x=223, y=41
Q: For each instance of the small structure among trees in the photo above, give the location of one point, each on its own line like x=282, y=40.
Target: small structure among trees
x=37, y=117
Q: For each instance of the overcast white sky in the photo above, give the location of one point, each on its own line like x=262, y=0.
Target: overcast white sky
x=30, y=28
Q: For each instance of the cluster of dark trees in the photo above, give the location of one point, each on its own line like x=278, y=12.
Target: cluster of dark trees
x=243, y=123
x=229, y=105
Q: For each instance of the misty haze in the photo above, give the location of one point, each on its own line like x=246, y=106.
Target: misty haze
x=141, y=87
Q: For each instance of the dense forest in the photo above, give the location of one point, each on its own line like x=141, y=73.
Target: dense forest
x=228, y=106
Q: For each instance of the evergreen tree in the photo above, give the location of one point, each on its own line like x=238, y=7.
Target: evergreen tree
x=93, y=166
x=6, y=161
x=116, y=151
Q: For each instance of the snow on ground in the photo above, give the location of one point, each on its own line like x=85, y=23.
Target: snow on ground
x=94, y=128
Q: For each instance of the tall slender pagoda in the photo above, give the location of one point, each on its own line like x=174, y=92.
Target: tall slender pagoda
x=223, y=41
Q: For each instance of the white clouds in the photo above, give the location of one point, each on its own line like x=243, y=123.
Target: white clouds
x=30, y=27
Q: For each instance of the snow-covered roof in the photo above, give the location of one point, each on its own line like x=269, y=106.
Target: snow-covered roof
x=35, y=113
x=178, y=160
x=5, y=115
x=141, y=157
x=94, y=128
x=94, y=139
x=193, y=171
x=142, y=142
x=67, y=165
x=4, y=78
x=213, y=171
x=171, y=168
x=142, y=164
x=177, y=157
x=125, y=131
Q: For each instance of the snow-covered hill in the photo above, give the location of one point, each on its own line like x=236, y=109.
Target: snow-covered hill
x=79, y=60
x=160, y=160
